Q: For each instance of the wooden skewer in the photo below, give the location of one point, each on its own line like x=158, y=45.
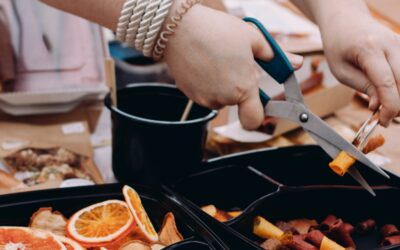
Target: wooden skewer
x=109, y=66
x=186, y=113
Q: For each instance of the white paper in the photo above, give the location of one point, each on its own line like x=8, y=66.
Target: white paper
x=73, y=128
x=235, y=132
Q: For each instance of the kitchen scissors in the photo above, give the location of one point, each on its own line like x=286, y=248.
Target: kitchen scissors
x=294, y=109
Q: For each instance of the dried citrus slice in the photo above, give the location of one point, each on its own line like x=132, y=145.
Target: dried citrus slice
x=69, y=243
x=28, y=239
x=100, y=223
x=144, y=226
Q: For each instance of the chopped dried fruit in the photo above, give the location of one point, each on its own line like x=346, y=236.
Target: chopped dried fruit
x=265, y=229
x=47, y=220
x=169, y=233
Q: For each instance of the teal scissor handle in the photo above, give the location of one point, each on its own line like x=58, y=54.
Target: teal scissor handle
x=279, y=67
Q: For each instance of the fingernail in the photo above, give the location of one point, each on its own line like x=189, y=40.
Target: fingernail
x=297, y=60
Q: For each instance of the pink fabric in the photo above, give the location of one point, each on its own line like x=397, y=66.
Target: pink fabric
x=76, y=58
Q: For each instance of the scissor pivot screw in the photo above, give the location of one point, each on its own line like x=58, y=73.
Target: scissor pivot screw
x=304, y=117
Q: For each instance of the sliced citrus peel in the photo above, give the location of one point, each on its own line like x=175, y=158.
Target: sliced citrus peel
x=341, y=164
x=101, y=223
x=169, y=233
x=144, y=228
x=46, y=219
x=28, y=238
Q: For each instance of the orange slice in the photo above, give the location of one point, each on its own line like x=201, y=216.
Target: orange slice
x=100, y=223
x=28, y=239
x=144, y=226
x=69, y=243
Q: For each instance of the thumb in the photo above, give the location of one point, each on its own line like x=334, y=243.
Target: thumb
x=263, y=51
x=251, y=111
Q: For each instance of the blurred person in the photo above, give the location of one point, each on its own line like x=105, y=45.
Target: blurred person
x=211, y=55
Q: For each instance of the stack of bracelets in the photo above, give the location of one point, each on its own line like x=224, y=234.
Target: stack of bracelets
x=143, y=24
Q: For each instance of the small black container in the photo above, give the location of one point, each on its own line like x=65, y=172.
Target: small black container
x=150, y=144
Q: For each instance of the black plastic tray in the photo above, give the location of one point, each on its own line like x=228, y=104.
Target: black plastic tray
x=279, y=184
x=290, y=183
x=16, y=210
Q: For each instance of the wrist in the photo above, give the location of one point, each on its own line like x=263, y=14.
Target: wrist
x=327, y=14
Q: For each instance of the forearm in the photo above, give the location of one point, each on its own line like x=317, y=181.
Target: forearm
x=103, y=12
x=323, y=12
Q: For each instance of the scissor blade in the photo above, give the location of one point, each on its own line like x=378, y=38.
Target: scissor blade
x=360, y=179
x=318, y=126
x=292, y=90
x=315, y=125
x=332, y=151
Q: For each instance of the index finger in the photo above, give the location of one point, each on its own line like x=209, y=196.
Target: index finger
x=378, y=70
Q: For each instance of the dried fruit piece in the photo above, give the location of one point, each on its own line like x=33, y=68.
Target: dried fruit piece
x=144, y=226
x=48, y=220
x=169, y=233
x=157, y=247
x=218, y=214
x=210, y=210
x=28, y=238
x=69, y=243
x=136, y=245
x=265, y=229
x=303, y=225
x=101, y=223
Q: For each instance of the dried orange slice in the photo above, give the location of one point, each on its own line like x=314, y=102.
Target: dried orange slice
x=100, y=223
x=69, y=243
x=144, y=226
x=28, y=239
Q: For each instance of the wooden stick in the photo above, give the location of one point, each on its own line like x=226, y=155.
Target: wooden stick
x=186, y=113
x=109, y=66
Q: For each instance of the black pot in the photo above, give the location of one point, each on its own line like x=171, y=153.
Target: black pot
x=150, y=144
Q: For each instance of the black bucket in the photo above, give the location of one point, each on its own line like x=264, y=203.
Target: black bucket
x=150, y=143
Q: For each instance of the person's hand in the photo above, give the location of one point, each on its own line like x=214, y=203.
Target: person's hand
x=365, y=55
x=211, y=55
